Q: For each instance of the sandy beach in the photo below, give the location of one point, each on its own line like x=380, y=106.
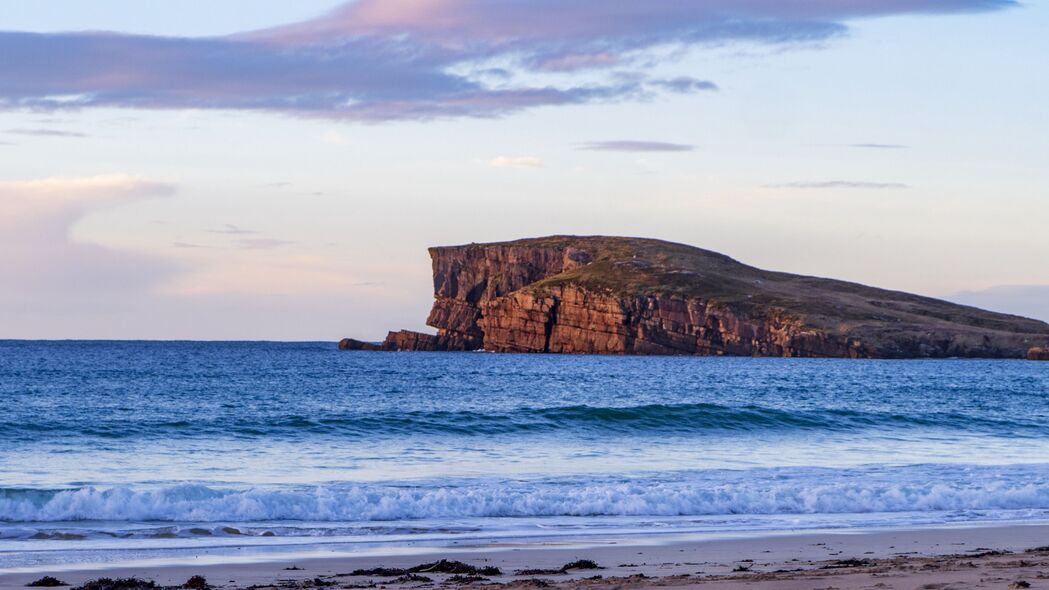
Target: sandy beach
x=937, y=558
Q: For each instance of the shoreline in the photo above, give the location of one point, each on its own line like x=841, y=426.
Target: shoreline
x=851, y=558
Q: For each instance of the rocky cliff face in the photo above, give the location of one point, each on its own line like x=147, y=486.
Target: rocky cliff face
x=467, y=278
x=569, y=319
x=601, y=295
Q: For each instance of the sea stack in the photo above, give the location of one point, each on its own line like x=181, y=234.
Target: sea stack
x=612, y=295
x=353, y=344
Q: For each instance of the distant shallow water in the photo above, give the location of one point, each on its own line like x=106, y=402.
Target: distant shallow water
x=113, y=450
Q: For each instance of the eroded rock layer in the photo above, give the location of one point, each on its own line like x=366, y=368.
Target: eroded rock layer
x=601, y=295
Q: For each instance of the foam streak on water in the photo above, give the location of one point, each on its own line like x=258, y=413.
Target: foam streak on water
x=123, y=447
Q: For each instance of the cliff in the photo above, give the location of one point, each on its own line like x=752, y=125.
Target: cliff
x=605, y=295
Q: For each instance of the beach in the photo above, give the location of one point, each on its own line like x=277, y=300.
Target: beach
x=958, y=557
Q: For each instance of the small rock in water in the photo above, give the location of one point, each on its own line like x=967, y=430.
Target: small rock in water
x=1038, y=354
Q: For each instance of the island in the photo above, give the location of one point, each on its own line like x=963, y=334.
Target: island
x=637, y=296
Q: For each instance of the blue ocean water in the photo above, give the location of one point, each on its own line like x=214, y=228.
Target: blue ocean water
x=133, y=450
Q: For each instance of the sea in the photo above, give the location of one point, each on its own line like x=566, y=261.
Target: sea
x=156, y=452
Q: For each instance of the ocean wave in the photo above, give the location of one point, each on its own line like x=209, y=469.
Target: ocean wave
x=677, y=419
x=759, y=492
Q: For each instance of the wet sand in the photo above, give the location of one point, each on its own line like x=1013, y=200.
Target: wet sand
x=929, y=559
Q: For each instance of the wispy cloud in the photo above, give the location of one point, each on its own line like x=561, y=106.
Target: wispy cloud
x=576, y=61
x=842, y=184
x=878, y=146
x=262, y=243
x=233, y=230
x=33, y=196
x=380, y=60
x=628, y=145
x=51, y=268
x=515, y=162
x=46, y=132
x=685, y=85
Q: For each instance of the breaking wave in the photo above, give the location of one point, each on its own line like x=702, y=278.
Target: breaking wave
x=755, y=492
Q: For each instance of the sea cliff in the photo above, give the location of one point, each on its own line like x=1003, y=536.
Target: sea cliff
x=608, y=295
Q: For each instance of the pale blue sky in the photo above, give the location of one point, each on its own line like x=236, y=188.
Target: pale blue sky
x=908, y=152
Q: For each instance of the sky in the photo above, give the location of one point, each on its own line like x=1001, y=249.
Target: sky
x=261, y=169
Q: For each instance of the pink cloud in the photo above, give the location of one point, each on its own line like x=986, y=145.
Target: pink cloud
x=460, y=24
x=380, y=60
x=43, y=265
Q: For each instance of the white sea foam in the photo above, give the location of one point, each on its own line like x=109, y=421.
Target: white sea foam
x=706, y=493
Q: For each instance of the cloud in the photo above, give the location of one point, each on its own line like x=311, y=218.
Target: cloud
x=46, y=133
x=515, y=162
x=576, y=61
x=44, y=268
x=559, y=27
x=262, y=243
x=1024, y=300
x=637, y=146
x=381, y=60
x=685, y=85
x=842, y=184
x=233, y=230
x=878, y=146
x=64, y=198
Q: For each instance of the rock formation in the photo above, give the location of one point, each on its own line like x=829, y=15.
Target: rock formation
x=605, y=295
x=354, y=344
